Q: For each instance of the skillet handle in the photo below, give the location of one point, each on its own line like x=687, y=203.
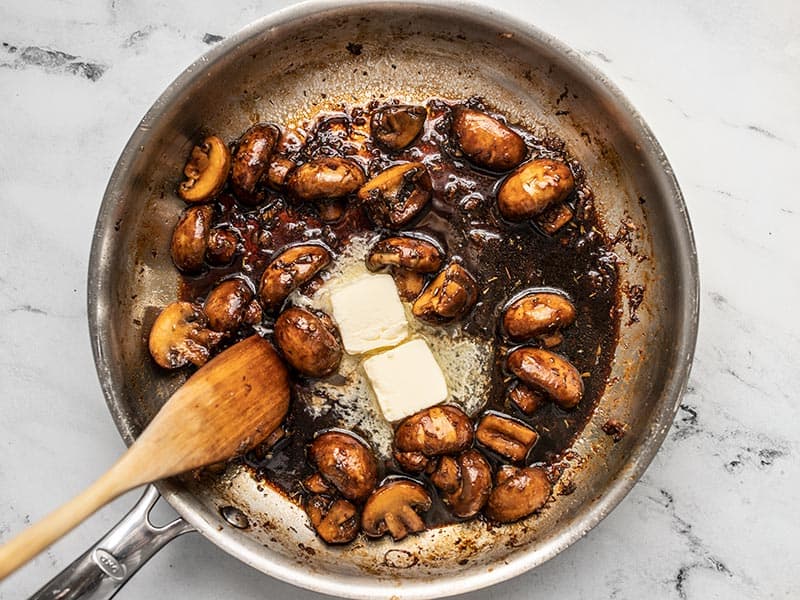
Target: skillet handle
x=103, y=569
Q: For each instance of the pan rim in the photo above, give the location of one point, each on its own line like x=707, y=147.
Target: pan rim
x=587, y=517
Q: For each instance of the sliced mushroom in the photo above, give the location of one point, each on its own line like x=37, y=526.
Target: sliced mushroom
x=546, y=371
x=536, y=314
x=466, y=482
x=486, y=141
x=346, y=462
x=331, y=211
x=289, y=270
x=524, y=398
x=190, y=238
x=308, y=341
x=396, y=127
x=227, y=305
x=325, y=178
x=409, y=253
x=206, y=170
x=518, y=493
x=395, y=196
x=221, y=247
x=506, y=436
x=394, y=507
x=179, y=336
x=450, y=296
x=335, y=520
x=534, y=187
x=437, y=430
x=409, y=283
x=251, y=160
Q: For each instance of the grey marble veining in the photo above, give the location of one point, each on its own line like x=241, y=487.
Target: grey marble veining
x=716, y=514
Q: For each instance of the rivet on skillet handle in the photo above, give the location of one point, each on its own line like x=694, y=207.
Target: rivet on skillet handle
x=104, y=568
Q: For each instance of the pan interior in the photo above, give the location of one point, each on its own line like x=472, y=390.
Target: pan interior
x=302, y=61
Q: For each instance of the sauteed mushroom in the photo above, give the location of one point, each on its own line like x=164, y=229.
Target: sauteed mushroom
x=278, y=171
x=346, y=462
x=549, y=372
x=395, y=196
x=190, y=238
x=555, y=217
x=409, y=283
x=534, y=187
x=437, y=430
x=409, y=253
x=308, y=341
x=335, y=520
x=289, y=270
x=228, y=305
x=396, y=127
x=506, y=436
x=537, y=313
x=394, y=507
x=325, y=178
x=450, y=296
x=221, y=246
x=486, y=141
x=179, y=336
x=205, y=171
x=466, y=482
x=251, y=160
x=517, y=493
x=524, y=398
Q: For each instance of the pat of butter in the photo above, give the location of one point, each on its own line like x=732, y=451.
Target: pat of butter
x=369, y=314
x=406, y=379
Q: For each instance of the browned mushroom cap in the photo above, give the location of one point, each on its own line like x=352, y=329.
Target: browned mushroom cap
x=336, y=521
x=409, y=253
x=252, y=159
x=433, y=431
x=486, y=141
x=518, y=493
x=466, y=482
x=524, y=398
x=395, y=196
x=325, y=178
x=409, y=284
x=451, y=295
x=206, y=170
x=221, y=248
x=288, y=271
x=179, y=336
x=346, y=462
x=394, y=507
x=190, y=238
x=534, y=187
x=549, y=372
x=308, y=341
x=537, y=313
x=227, y=304
x=396, y=127
x=506, y=436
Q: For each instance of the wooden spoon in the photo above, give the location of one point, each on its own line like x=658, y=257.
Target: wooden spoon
x=228, y=406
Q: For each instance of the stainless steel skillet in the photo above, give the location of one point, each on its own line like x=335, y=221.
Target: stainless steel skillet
x=296, y=62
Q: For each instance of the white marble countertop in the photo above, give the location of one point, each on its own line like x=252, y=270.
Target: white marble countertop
x=716, y=514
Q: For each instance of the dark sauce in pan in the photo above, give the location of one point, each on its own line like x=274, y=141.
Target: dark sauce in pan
x=462, y=217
